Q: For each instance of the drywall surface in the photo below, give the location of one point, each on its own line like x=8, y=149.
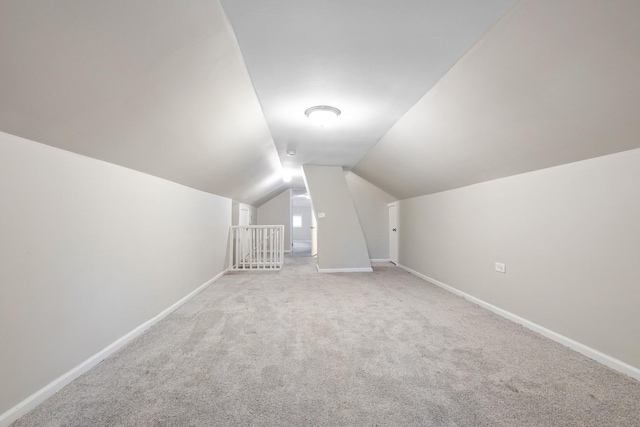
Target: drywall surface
x=570, y=239
x=341, y=242
x=371, y=205
x=552, y=82
x=277, y=211
x=302, y=207
x=162, y=89
x=88, y=252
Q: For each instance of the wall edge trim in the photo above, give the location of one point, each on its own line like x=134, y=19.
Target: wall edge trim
x=380, y=260
x=602, y=358
x=31, y=402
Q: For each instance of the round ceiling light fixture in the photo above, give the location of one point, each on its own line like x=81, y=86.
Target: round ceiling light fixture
x=322, y=115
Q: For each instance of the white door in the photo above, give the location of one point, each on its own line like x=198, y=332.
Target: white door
x=314, y=234
x=245, y=217
x=244, y=237
x=393, y=233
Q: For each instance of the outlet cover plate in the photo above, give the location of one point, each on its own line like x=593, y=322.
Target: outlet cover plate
x=501, y=268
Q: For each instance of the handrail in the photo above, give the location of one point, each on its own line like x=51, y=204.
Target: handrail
x=256, y=247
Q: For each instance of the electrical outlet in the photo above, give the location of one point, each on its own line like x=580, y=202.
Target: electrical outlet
x=501, y=268
x=321, y=215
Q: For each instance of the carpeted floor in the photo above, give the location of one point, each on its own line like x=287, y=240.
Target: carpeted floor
x=301, y=248
x=299, y=348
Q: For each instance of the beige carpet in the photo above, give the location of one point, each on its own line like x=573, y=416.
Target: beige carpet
x=301, y=248
x=298, y=348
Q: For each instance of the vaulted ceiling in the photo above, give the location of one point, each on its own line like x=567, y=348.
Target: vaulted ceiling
x=552, y=82
x=372, y=59
x=434, y=94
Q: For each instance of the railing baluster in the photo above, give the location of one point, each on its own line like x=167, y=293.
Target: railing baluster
x=237, y=244
x=258, y=247
x=276, y=234
x=281, y=246
x=263, y=243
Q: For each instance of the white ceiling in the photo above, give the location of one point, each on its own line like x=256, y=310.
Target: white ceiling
x=372, y=59
x=164, y=87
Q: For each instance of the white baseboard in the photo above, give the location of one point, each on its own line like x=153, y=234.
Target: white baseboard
x=380, y=260
x=591, y=353
x=344, y=270
x=56, y=385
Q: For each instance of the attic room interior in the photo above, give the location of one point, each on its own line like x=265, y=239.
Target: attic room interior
x=466, y=241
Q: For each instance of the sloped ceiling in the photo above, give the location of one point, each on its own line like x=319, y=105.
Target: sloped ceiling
x=163, y=87
x=372, y=59
x=156, y=86
x=553, y=82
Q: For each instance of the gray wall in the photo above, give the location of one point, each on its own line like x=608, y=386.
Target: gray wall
x=341, y=243
x=371, y=205
x=277, y=211
x=570, y=238
x=88, y=252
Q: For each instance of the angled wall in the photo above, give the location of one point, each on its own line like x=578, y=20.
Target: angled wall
x=371, y=206
x=89, y=251
x=277, y=211
x=570, y=239
x=341, y=242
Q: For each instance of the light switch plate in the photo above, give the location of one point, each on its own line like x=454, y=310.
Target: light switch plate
x=501, y=268
x=321, y=215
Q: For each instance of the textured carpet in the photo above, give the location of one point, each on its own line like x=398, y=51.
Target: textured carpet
x=301, y=348
x=301, y=248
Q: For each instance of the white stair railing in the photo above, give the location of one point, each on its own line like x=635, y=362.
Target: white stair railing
x=256, y=247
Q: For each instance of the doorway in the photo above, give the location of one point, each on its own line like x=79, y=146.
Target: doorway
x=302, y=226
x=393, y=232
x=245, y=216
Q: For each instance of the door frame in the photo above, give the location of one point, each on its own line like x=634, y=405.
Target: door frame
x=393, y=232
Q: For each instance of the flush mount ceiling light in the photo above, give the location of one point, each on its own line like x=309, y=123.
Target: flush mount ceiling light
x=286, y=176
x=322, y=115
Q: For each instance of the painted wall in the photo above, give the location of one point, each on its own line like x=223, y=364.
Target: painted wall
x=371, y=205
x=570, y=238
x=341, y=242
x=302, y=208
x=277, y=211
x=88, y=252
